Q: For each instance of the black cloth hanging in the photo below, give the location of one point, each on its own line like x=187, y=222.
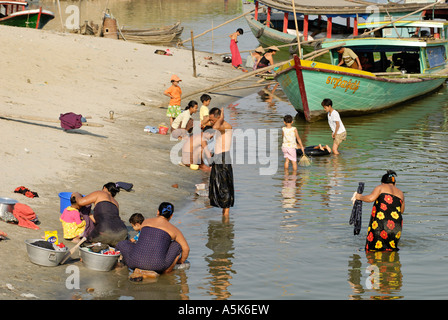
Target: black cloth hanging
x=356, y=216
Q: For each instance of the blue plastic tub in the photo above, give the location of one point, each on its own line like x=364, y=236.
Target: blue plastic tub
x=64, y=200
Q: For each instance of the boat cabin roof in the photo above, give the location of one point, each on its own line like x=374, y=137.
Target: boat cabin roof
x=20, y=3
x=405, y=24
x=344, y=8
x=382, y=44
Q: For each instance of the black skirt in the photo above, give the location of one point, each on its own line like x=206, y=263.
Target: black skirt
x=221, y=191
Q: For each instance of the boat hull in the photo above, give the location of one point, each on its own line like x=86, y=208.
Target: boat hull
x=353, y=92
x=271, y=37
x=27, y=19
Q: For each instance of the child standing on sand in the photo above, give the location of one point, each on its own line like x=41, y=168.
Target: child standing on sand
x=289, y=145
x=334, y=121
x=175, y=94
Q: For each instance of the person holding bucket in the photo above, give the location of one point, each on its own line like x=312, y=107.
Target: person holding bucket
x=109, y=228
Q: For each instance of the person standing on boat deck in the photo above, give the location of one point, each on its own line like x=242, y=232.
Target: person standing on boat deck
x=349, y=58
x=221, y=190
x=386, y=221
x=268, y=57
x=236, y=56
x=339, y=133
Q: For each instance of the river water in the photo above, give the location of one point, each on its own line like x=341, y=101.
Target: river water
x=288, y=236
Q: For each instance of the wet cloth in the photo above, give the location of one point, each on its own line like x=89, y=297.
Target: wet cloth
x=26, y=192
x=154, y=250
x=236, y=56
x=221, y=190
x=26, y=216
x=109, y=228
x=70, y=121
x=356, y=216
x=386, y=223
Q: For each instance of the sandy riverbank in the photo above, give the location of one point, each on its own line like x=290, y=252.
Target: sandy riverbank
x=45, y=74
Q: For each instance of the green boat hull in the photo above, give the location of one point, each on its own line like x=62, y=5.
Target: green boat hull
x=271, y=37
x=27, y=20
x=351, y=94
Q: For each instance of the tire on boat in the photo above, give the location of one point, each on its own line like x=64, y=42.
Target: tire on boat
x=259, y=33
x=311, y=151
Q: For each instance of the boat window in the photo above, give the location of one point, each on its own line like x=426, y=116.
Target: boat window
x=436, y=56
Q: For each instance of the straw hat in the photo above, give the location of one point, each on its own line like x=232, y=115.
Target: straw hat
x=259, y=49
x=273, y=48
x=175, y=78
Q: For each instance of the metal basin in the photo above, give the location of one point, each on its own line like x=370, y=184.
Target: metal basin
x=42, y=256
x=6, y=205
x=98, y=261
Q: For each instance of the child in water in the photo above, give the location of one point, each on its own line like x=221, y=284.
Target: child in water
x=289, y=145
x=72, y=223
x=136, y=221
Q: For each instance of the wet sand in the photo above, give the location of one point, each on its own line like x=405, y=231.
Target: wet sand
x=46, y=74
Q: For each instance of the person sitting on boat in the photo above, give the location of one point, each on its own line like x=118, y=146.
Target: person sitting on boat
x=268, y=57
x=349, y=58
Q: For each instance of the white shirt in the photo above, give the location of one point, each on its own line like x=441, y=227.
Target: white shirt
x=334, y=117
x=181, y=120
x=289, y=137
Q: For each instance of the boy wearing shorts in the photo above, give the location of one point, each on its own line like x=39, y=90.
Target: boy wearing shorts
x=339, y=133
x=175, y=94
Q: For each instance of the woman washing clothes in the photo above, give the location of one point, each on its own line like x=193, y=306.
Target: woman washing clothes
x=386, y=221
x=159, y=247
x=109, y=228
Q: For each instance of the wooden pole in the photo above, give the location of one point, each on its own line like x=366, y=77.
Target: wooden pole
x=240, y=16
x=192, y=53
x=297, y=29
x=301, y=83
x=246, y=75
x=60, y=16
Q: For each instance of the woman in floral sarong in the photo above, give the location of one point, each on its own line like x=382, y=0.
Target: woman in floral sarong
x=386, y=221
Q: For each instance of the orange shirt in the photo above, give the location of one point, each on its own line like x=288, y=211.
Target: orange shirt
x=176, y=93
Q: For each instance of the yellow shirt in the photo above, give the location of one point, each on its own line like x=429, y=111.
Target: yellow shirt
x=203, y=112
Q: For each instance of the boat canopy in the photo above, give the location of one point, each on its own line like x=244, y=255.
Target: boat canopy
x=343, y=8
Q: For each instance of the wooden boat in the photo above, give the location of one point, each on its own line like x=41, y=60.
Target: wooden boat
x=17, y=14
x=165, y=34
x=276, y=25
x=394, y=70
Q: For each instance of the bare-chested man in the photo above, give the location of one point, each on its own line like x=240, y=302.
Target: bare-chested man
x=221, y=191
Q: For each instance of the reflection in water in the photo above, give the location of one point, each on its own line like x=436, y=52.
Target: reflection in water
x=220, y=261
x=383, y=277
